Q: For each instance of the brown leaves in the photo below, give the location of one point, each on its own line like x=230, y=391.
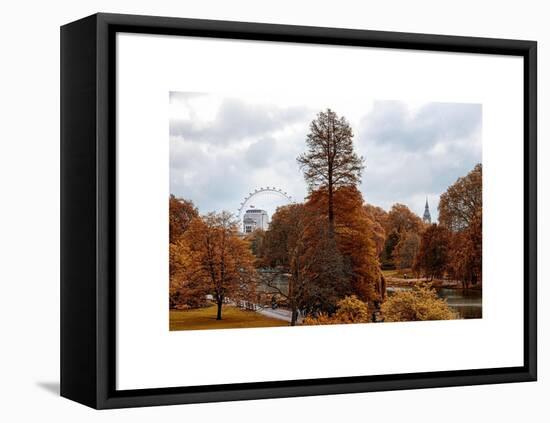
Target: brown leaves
x=181, y=212
x=298, y=243
x=465, y=260
x=463, y=201
x=355, y=239
x=433, y=254
x=379, y=217
x=219, y=259
x=406, y=250
x=461, y=210
x=211, y=258
x=402, y=219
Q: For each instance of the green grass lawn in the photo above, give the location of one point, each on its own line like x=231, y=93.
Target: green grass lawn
x=232, y=317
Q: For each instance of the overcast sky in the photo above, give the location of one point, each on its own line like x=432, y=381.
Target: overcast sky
x=222, y=147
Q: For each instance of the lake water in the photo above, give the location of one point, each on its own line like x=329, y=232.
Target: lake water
x=467, y=302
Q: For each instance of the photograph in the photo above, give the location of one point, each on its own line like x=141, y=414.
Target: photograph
x=241, y=211
x=298, y=210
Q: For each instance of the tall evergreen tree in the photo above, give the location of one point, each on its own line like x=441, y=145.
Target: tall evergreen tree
x=330, y=161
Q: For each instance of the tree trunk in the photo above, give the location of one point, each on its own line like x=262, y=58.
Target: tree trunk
x=330, y=208
x=382, y=287
x=219, y=316
x=330, y=184
x=294, y=317
x=293, y=308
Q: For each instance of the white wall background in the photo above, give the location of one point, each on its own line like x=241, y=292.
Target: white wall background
x=29, y=211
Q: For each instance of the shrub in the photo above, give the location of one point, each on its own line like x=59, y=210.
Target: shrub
x=420, y=303
x=351, y=310
x=348, y=310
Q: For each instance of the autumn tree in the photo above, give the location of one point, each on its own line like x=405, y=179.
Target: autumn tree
x=327, y=270
x=330, y=161
x=465, y=258
x=460, y=211
x=181, y=212
x=406, y=250
x=219, y=260
x=400, y=221
x=297, y=243
x=387, y=257
x=433, y=253
x=420, y=303
x=286, y=234
x=378, y=214
x=284, y=249
x=462, y=202
x=184, y=290
x=355, y=240
x=379, y=218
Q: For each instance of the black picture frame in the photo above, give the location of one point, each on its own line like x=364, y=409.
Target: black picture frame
x=88, y=201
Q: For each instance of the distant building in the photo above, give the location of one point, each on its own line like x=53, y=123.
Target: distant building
x=427, y=218
x=255, y=219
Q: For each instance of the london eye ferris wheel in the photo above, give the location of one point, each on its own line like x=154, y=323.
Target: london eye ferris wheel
x=265, y=198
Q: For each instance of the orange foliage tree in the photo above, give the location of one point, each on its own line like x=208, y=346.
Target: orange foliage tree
x=184, y=291
x=379, y=217
x=355, y=239
x=401, y=224
x=433, y=254
x=402, y=219
x=298, y=245
x=460, y=211
x=181, y=212
x=220, y=262
x=462, y=203
x=406, y=250
x=465, y=261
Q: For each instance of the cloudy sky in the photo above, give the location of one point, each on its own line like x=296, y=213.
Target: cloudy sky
x=223, y=147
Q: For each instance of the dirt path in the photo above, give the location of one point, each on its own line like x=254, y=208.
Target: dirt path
x=278, y=313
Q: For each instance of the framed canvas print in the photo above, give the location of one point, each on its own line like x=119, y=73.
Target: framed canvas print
x=257, y=211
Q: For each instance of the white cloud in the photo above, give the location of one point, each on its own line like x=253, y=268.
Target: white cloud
x=221, y=148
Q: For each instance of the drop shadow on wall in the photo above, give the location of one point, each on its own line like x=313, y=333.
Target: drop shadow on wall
x=51, y=387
